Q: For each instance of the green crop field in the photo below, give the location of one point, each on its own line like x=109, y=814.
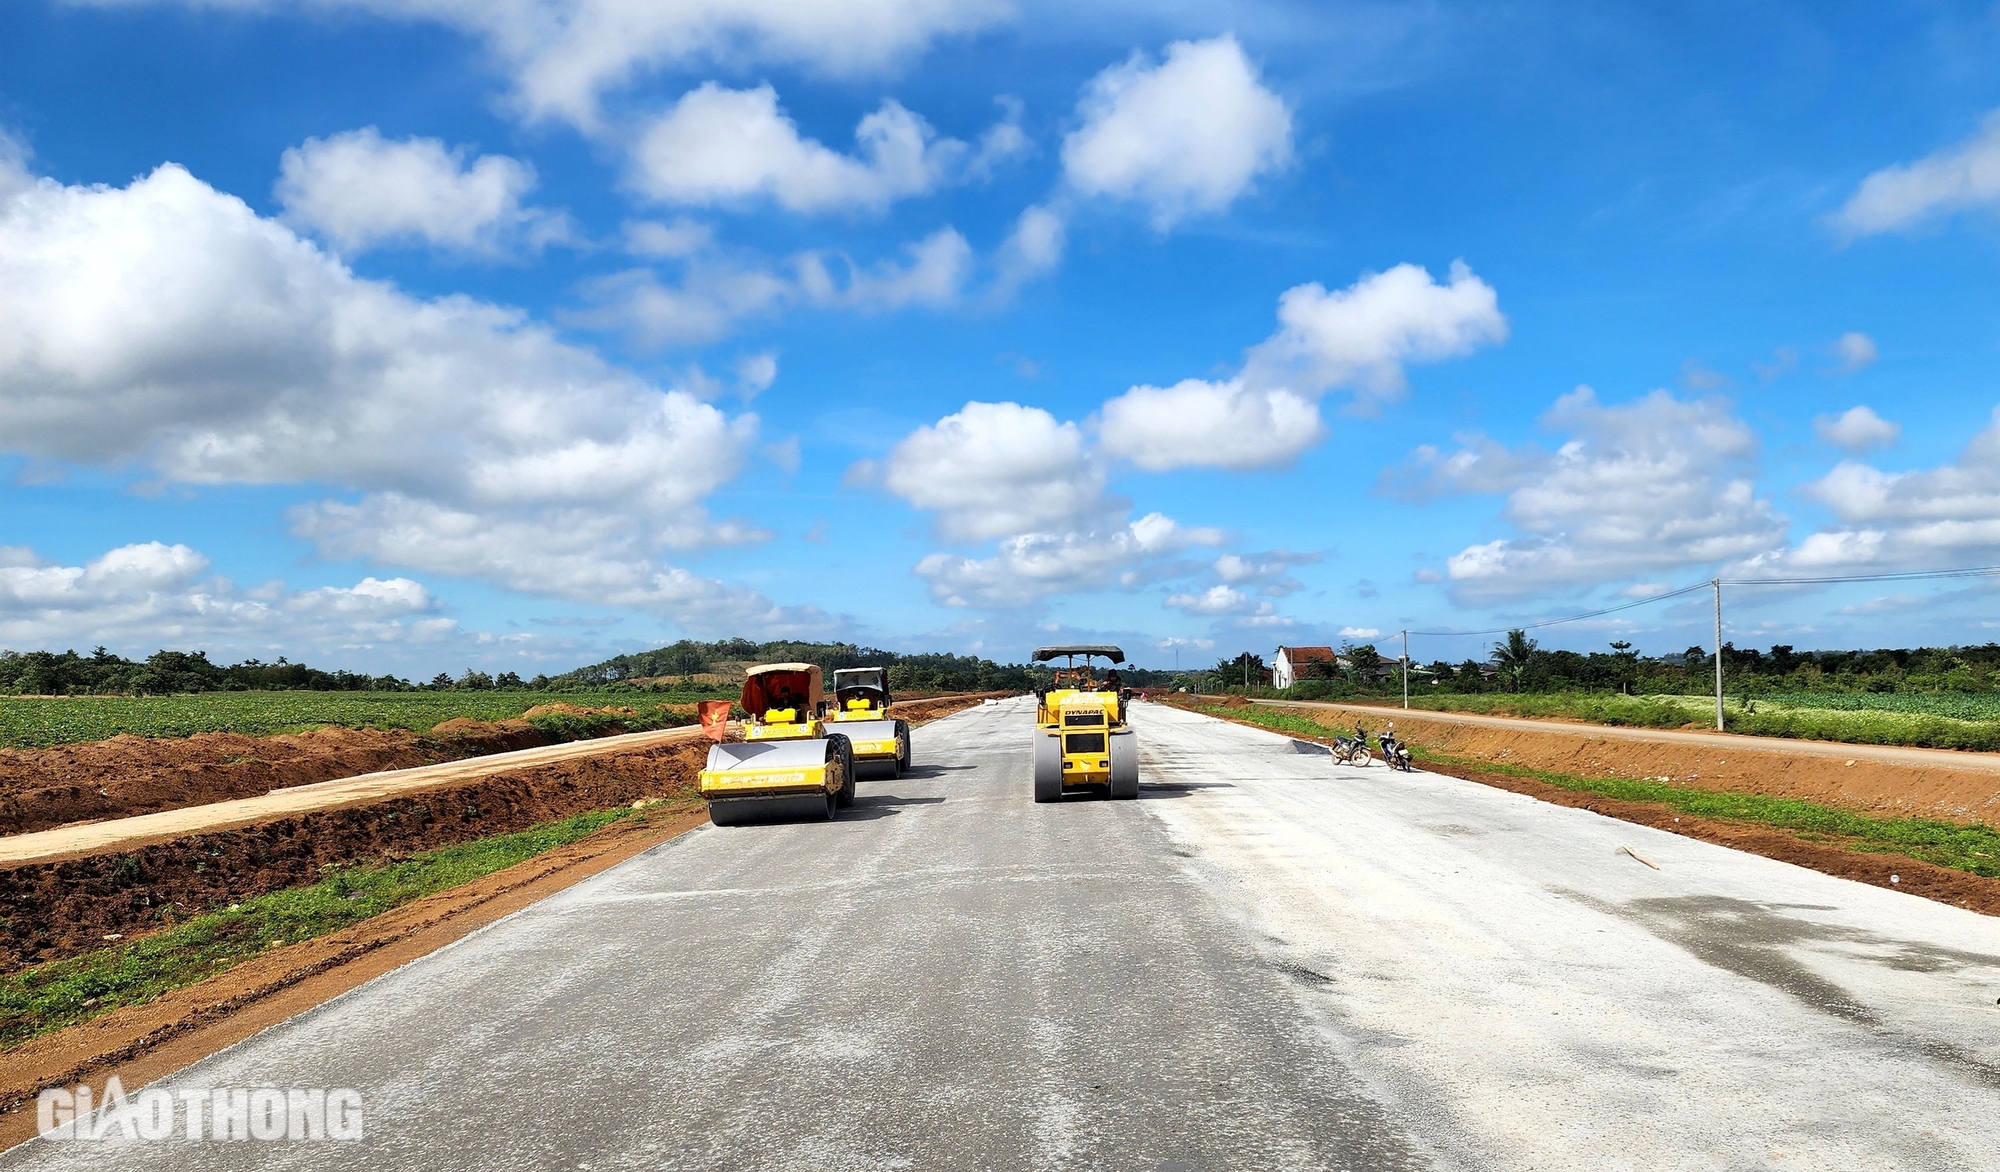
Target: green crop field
x=35, y=722
x=1942, y=720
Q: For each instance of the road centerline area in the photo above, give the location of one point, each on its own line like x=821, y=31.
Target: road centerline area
x=1268, y=961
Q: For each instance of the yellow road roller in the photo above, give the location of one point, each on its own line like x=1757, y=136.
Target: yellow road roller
x=861, y=714
x=1082, y=739
x=787, y=765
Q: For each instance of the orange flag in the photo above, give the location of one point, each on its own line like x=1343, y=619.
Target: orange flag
x=714, y=718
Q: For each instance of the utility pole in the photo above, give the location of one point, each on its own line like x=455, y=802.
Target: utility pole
x=1406, y=667
x=1246, y=675
x=1717, y=583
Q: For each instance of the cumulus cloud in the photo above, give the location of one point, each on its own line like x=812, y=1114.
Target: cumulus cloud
x=716, y=291
x=1209, y=424
x=1017, y=474
x=1855, y=351
x=993, y=469
x=153, y=594
x=1035, y=246
x=1186, y=136
x=165, y=324
x=1965, y=175
x=1359, y=339
x=1031, y=566
x=1934, y=518
x=563, y=54
x=1646, y=487
x=358, y=190
x=1364, y=336
x=721, y=146
x=1857, y=430
x=1217, y=601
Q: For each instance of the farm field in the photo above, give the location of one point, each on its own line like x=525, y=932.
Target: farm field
x=45, y=722
x=1927, y=719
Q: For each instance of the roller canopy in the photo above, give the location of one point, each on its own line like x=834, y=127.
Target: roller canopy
x=782, y=685
x=1044, y=654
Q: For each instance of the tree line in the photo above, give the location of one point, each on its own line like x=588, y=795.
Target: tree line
x=166, y=673
x=1520, y=664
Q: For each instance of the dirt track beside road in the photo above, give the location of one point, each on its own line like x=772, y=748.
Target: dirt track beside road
x=1885, y=780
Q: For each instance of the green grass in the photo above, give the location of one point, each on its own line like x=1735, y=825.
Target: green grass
x=1873, y=718
x=1964, y=847
x=61, y=993
x=30, y=723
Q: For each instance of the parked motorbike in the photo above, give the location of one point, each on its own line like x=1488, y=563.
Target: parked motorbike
x=1352, y=750
x=1396, y=754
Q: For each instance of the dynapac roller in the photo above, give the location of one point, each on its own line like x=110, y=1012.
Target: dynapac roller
x=861, y=713
x=787, y=765
x=1082, y=739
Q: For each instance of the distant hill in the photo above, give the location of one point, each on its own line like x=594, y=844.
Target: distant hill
x=927, y=672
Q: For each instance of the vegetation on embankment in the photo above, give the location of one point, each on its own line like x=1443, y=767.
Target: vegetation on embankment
x=1859, y=719
x=1968, y=847
x=50, y=996
x=38, y=722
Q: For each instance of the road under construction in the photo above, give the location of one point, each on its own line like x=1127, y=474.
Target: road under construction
x=1266, y=961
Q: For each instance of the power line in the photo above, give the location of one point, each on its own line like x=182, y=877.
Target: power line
x=1912, y=576
x=1823, y=580
x=1651, y=598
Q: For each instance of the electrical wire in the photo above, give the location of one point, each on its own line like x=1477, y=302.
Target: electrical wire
x=1651, y=598
x=1825, y=580
x=1912, y=576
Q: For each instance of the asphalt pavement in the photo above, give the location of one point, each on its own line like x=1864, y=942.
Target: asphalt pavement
x=1267, y=961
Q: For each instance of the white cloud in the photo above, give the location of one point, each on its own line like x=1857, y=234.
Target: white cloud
x=1218, y=600
x=720, y=146
x=152, y=595
x=1363, y=336
x=166, y=324
x=681, y=238
x=357, y=190
x=563, y=54
x=1857, y=429
x=1647, y=487
x=716, y=291
x=936, y=272
x=1936, y=518
x=994, y=469
x=711, y=298
x=1855, y=351
x=724, y=147
x=1196, y=422
x=1017, y=474
x=1184, y=137
x=1032, y=566
x=1034, y=247
x=1359, y=338
x=1360, y=633
x=1269, y=571
x=1966, y=175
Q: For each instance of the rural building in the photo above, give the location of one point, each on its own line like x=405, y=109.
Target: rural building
x=1291, y=662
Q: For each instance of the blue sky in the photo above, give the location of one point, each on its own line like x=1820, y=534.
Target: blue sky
x=408, y=335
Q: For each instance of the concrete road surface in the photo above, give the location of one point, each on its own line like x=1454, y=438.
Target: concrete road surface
x=1268, y=961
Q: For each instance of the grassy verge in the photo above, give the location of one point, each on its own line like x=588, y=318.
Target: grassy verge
x=1757, y=717
x=49, y=997
x=1964, y=847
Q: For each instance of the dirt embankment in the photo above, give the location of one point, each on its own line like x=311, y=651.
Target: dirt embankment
x=140, y=1043
x=61, y=907
x=41, y=789
x=1749, y=766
